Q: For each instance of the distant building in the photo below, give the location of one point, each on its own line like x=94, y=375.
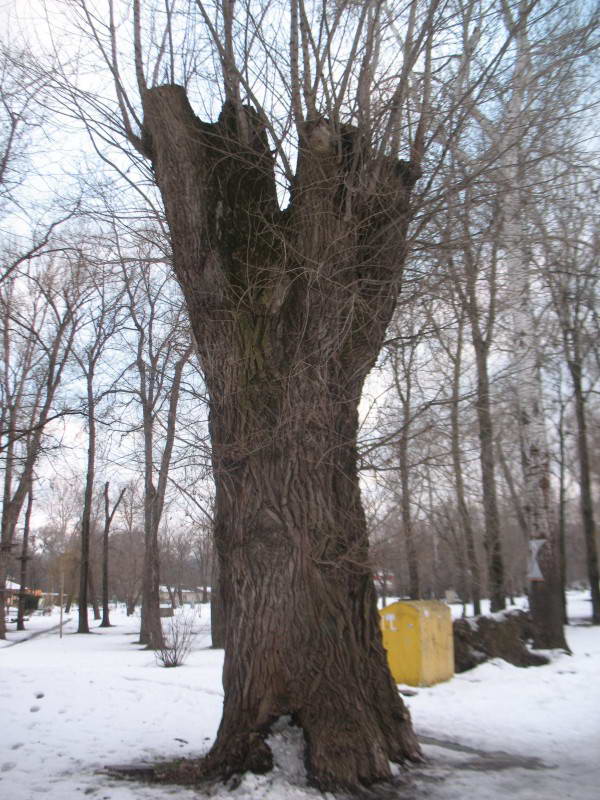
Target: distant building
x=180, y=597
x=13, y=591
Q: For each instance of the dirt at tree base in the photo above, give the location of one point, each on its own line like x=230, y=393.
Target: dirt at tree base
x=502, y=635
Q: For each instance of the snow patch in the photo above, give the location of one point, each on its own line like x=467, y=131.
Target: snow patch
x=106, y=702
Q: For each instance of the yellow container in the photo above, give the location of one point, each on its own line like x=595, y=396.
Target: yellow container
x=417, y=635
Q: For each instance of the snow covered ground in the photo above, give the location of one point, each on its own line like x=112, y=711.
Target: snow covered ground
x=71, y=706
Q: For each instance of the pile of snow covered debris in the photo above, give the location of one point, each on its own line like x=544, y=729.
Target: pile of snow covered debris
x=502, y=635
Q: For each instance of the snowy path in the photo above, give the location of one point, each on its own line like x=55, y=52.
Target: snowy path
x=70, y=707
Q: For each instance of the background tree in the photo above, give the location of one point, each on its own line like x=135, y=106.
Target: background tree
x=162, y=345
x=570, y=253
x=103, y=313
x=109, y=514
x=39, y=324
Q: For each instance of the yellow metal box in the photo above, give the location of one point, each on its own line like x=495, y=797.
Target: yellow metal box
x=417, y=635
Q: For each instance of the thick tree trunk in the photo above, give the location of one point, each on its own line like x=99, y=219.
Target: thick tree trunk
x=11, y=510
x=545, y=596
x=289, y=310
x=292, y=545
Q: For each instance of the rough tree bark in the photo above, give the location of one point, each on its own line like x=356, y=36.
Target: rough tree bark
x=217, y=616
x=289, y=309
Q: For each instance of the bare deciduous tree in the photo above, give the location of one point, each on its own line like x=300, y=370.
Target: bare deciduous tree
x=39, y=321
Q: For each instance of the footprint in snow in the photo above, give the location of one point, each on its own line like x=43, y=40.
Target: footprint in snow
x=7, y=766
x=16, y=746
x=34, y=708
x=39, y=695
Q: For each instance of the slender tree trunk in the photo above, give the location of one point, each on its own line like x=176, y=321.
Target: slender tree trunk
x=93, y=596
x=414, y=583
x=384, y=591
x=7, y=529
x=172, y=597
x=130, y=603
x=24, y=561
x=492, y=540
x=105, y=571
x=154, y=499
x=108, y=518
x=474, y=576
x=481, y=337
x=562, y=522
x=585, y=489
x=512, y=490
x=289, y=310
x=86, y=517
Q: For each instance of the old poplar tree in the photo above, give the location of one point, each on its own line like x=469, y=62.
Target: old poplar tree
x=290, y=275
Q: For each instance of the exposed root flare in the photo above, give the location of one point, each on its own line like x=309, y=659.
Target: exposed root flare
x=242, y=754
x=335, y=764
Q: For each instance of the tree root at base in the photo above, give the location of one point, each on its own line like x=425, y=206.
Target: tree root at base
x=252, y=755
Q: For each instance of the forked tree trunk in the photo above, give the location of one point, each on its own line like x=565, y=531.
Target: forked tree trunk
x=289, y=309
x=108, y=518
